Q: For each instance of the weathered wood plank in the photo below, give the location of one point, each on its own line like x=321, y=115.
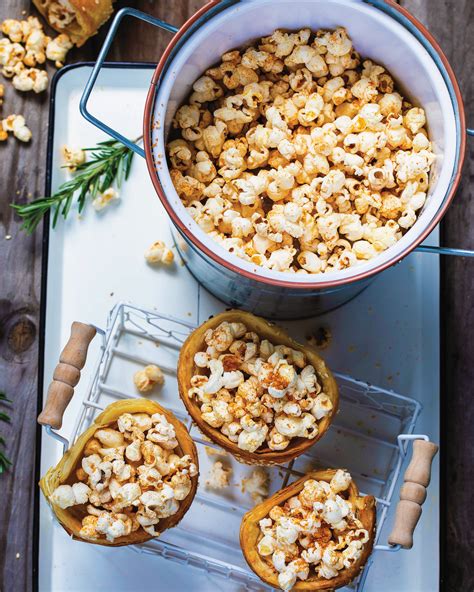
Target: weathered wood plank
x=451, y=22
x=22, y=175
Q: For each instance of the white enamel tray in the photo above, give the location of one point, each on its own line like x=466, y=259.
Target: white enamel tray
x=388, y=336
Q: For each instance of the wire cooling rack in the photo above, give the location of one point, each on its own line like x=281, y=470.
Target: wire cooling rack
x=369, y=437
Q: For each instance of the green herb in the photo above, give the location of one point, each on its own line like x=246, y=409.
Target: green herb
x=5, y=462
x=110, y=162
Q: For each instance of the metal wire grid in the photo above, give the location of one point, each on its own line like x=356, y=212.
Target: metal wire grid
x=129, y=320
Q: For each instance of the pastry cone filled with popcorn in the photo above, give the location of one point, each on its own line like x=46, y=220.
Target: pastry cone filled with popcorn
x=80, y=19
x=315, y=534
x=129, y=477
x=253, y=390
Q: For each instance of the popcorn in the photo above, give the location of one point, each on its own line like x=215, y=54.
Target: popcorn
x=31, y=79
x=13, y=29
x=340, y=481
x=35, y=45
x=414, y=119
x=145, y=380
x=56, y=49
x=219, y=476
x=60, y=13
x=63, y=496
x=11, y=55
x=266, y=546
x=16, y=124
x=257, y=485
x=298, y=120
x=26, y=46
x=315, y=532
x=255, y=392
x=119, y=502
x=72, y=157
x=322, y=406
x=158, y=252
x=104, y=199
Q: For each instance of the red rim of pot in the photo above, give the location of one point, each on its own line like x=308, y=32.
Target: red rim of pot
x=147, y=126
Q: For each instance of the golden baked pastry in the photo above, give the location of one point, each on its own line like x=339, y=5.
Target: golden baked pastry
x=80, y=19
x=129, y=477
x=253, y=390
x=316, y=534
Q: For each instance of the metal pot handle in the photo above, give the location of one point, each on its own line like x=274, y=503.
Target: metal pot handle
x=99, y=63
x=447, y=250
x=444, y=251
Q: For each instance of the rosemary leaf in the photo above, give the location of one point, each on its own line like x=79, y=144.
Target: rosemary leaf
x=5, y=462
x=109, y=162
x=4, y=417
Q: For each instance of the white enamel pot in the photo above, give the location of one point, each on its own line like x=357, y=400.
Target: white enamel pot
x=381, y=31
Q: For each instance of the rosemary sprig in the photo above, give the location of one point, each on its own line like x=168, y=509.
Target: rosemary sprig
x=110, y=162
x=5, y=462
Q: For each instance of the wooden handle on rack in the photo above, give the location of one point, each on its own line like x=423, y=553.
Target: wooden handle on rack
x=66, y=375
x=413, y=493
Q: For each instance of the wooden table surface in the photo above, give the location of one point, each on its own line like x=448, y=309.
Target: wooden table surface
x=22, y=175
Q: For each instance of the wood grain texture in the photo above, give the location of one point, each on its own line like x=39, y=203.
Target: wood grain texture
x=451, y=22
x=22, y=170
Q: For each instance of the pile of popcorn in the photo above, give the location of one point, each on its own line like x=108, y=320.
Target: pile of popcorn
x=130, y=478
x=313, y=533
x=26, y=46
x=295, y=155
x=256, y=393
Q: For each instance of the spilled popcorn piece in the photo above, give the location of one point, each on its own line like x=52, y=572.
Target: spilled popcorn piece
x=56, y=49
x=158, y=252
x=105, y=199
x=26, y=46
x=35, y=46
x=321, y=338
x=19, y=31
x=11, y=57
x=16, y=125
x=13, y=30
x=219, y=476
x=2, y=94
x=257, y=485
x=215, y=451
x=30, y=79
x=72, y=157
x=145, y=380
